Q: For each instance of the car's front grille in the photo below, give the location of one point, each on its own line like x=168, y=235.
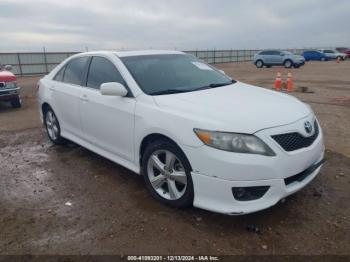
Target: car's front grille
x=294, y=141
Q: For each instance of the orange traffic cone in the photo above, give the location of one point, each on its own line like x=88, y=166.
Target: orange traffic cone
x=290, y=84
x=278, y=82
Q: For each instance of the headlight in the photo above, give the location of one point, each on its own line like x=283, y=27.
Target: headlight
x=233, y=142
x=11, y=84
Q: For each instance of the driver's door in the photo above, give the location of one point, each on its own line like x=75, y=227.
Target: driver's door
x=107, y=121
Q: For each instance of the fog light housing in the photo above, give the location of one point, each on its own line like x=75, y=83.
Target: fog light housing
x=249, y=193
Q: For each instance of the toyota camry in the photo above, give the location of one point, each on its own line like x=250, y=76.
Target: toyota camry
x=197, y=136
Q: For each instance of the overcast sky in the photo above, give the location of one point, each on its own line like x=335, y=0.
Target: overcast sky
x=28, y=25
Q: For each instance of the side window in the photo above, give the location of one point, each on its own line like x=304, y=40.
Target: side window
x=275, y=53
x=59, y=76
x=102, y=71
x=75, y=70
x=264, y=53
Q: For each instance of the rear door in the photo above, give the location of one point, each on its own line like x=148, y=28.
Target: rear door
x=66, y=89
x=107, y=121
x=278, y=57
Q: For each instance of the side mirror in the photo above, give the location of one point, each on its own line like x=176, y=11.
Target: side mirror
x=222, y=71
x=8, y=67
x=113, y=89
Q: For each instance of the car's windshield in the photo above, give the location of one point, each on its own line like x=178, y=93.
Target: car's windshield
x=173, y=73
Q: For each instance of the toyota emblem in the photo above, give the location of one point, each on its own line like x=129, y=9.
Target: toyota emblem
x=308, y=127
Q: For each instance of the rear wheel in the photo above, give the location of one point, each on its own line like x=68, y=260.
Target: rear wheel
x=288, y=64
x=53, y=127
x=16, y=103
x=167, y=174
x=259, y=64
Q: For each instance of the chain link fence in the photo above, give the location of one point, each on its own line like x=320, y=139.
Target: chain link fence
x=43, y=62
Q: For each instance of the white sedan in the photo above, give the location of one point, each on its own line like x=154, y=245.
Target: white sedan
x=197, y=136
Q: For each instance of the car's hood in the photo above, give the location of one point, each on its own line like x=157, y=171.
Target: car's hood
x=7, y=76
x=235, y=108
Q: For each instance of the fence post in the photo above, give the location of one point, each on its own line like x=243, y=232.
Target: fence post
x=19, y=64
x=45, y=60
x=214, y=55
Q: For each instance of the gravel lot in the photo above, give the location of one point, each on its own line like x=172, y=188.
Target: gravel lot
x=68, y=200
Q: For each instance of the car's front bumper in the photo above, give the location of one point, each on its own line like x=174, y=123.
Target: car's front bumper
x=216, y=172
x=216, y=195
x=9, y=94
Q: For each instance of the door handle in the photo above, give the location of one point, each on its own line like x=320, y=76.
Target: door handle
x=84, y=98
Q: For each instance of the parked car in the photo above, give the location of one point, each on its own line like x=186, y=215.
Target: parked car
x=344, y=50
x=313, y=55
x=270, y=58
x=197, y=136
x=333, y=54
x=9, y=91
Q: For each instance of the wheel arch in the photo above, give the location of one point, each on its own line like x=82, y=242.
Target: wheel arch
x=44, y=107
x=148, y=139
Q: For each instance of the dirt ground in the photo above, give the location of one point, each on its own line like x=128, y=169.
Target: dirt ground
x=68, y=200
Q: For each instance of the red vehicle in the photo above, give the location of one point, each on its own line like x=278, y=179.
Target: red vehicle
x=344, y=50
x=9, y=91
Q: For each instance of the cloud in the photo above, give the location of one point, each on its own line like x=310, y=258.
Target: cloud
x=203, y=24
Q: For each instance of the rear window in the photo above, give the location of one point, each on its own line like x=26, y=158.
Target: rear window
x=74, y=70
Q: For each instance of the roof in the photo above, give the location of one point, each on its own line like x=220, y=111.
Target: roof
x=146, y=52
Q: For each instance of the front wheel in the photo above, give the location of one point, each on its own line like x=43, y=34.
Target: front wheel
x=53, y=127
x=288, y=64
x=16, y=103
x=167, y=174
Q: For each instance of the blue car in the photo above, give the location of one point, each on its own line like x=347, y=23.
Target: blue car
x=314, y=56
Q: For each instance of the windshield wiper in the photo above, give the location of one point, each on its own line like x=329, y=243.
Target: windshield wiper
x=214, y=85
x=169, y=91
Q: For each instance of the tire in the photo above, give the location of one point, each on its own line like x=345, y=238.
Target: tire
x=52, y=127
x=288, y=64
x=160, y=179
x=259, y=64
x=16, y=103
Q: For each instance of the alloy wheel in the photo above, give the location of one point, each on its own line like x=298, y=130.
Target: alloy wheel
x=52, y=125
x=167, y=175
